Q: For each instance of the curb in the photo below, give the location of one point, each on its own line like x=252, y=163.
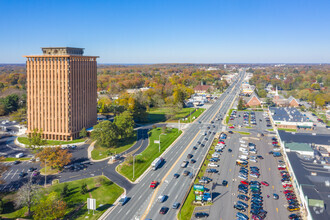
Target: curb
x=26, y=146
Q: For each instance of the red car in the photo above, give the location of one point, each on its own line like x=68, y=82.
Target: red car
x=231, y=127
x=265, y=183
x=287, y=191
x=275, y=142
x=153, y=184
x=287, y=185
x=290, y=197
x=281, y=168
x=245, y=182
x=221, y=142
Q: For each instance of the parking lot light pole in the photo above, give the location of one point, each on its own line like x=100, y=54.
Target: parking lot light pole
x=159, y=141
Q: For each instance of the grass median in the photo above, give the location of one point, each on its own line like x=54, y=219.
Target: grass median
x=144, y=160
x=25, y=140
x=156, y=115
x=287, y=129
x=103, y=152
x=188, y=207
x=100, y=188
x=242, y=132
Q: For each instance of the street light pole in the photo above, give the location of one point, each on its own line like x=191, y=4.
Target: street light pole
x=45, y=173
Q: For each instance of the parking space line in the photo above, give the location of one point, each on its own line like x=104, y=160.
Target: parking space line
x=8, y=174
x=14, y=174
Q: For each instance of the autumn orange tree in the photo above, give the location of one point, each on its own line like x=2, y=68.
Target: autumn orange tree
x=55, y=157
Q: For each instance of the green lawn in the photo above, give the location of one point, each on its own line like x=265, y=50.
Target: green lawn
x=227, y=117
x=25, y=140
x=49, y=171
x=9, y=159
x=156, y=115
x=287, y=129
x=101, y=152
x=248, y=127
x=104, y=191
x=270, y=129
x=143, y=161
x=188, y=207
x=195, y=114
x=322, y=115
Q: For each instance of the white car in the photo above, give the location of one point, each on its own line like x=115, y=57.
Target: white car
x=281, y=165
x=161, y=198
x=242, y=177
x=276, y=149
x=213, y=165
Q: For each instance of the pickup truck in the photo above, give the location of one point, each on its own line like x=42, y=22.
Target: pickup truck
x=123, y=200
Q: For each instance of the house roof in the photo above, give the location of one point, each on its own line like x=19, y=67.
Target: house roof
x=291, y=98
x=202, y=87
x=288, y=137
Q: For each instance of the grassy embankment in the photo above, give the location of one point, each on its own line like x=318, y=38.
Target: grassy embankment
x=159, y=115
x=227, y=117
x=102, y=152
x=188, y=206
x=143, y=161
x=104, y=191
x=287, y=129
x=25, y=140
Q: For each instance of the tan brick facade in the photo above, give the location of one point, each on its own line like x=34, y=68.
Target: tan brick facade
x=61, y=94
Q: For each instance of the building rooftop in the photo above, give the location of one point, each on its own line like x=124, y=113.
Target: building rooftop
x=287, y=114
x=315, y=186
x=298, y=146
x=318, y=139
x=62, y=51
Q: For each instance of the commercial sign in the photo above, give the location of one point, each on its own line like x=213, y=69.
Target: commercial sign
x=198, y=197
x=198, y=187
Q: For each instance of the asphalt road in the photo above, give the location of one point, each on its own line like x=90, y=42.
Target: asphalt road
x=142, y=203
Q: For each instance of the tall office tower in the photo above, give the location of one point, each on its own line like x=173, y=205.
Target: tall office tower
x=61, y=92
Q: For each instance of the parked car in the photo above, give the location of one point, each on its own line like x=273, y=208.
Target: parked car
x=201, y=215
x=276, y=196
x=224, y=182
x=265, y=183
x=243, y=197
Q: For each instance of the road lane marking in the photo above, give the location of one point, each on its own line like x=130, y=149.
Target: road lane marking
x=276, y=209
x=155, y=192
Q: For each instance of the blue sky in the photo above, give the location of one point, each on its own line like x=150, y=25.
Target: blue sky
x=169, y=31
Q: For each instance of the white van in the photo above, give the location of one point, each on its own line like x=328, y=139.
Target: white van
x=19, y=155
x=244, y=157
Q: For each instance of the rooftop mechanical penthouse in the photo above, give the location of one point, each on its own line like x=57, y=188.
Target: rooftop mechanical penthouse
x=61, y=92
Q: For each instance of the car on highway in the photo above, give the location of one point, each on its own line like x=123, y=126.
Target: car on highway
x=212, y=165
x=153, y=184
x=231, y=127
x=163, y=210
x=230, y=150
x=192, y=161
x=264, y=183
x=201, y=215
x=185, y=173
x=194, y=148
x=176, y=205
x=184, y=164
x=176, y=175
x=161, y=198
x=123, y=200
x=230, y=132
x=189, y=156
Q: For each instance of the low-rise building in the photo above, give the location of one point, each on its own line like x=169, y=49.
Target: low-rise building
x=289, y=118
x=203, y=89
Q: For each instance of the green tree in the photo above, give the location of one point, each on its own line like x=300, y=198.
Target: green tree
x=240, y=105
x=65, y=190
x=316, y=86
x=125, y=124
x=35, y=139
x=53, y=207
x=262, y=93
x=10, y=103
x=105, y=133
x=84, y=189
x=83, y=133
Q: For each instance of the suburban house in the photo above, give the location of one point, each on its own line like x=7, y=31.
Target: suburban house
x=202, y=89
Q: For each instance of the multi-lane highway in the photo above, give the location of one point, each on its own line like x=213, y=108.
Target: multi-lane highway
x=143, y=200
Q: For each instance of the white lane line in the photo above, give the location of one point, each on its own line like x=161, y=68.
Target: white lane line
x=14, y=174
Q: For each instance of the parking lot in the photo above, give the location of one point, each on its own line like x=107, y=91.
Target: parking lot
x=225, y=196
